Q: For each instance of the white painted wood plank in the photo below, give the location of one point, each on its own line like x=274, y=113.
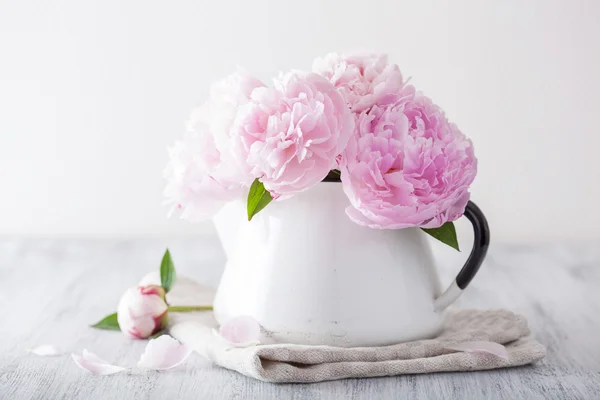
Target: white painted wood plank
x=52, y=290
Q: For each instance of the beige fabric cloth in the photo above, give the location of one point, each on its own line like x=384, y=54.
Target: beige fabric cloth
x=298, y=363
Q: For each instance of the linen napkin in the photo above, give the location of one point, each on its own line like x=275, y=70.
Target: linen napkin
x=302, y=363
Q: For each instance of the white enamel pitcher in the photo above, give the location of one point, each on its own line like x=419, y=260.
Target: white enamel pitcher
x=309, y=275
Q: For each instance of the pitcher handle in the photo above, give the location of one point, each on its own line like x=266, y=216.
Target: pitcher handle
x=481, y=233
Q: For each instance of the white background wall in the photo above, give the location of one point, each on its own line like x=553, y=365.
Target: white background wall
x=92, y=92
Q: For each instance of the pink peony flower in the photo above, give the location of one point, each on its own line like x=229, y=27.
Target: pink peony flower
x=407, y=166
x=142, y=311
x=289, y=135
x=365, y=80
x=202, y=173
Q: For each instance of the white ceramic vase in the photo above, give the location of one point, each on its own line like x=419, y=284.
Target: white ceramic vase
x=227, y=223
x=309, y=275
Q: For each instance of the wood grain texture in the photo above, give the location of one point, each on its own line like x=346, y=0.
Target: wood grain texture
x=53, y=289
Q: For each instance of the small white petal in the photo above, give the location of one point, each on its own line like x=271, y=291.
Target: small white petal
x=163, y=353
x=481, y=347
x=242, y=329
x=236, y=345
x=45, y=350
x=94, y=364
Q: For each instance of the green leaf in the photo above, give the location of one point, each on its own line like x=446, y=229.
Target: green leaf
x=445, y=234
x=167, y=271
x=109, y=322
x=258, y=198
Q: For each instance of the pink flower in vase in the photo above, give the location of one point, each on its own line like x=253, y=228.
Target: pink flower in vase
x=365, y=80
x=289, y=135
x=202, y=173
x=407, y=166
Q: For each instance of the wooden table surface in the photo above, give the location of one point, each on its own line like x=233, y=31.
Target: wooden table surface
x=51, y=290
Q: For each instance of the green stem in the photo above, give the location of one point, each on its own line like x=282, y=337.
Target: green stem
x=189, y=308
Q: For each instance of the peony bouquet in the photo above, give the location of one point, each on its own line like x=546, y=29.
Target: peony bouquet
x=354, y=119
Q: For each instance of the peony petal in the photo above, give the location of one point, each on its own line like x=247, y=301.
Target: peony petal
x=242, y=329
x=481, y=347
x=93, y=364
x=45, y=350
x=163, y=353
x=236, y=345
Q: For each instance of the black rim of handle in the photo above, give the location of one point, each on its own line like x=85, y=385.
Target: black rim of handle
x=481, y=242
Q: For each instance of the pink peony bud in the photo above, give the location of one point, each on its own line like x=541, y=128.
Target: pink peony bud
x=142, y=311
